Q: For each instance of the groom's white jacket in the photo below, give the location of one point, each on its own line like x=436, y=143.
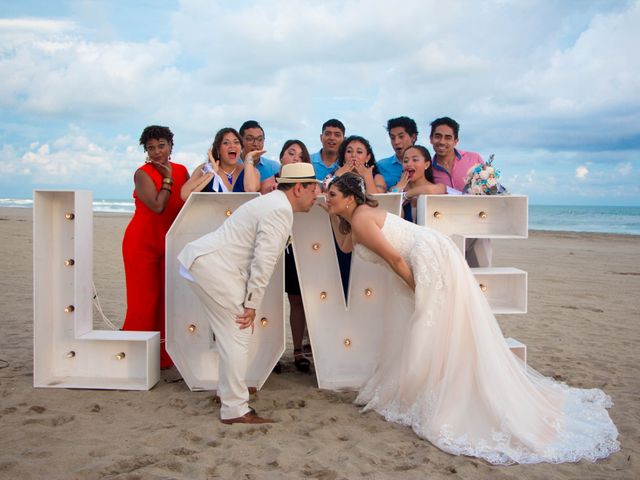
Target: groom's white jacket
x=241, y=255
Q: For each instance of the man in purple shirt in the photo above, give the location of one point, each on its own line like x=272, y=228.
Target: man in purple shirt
x=450, y=167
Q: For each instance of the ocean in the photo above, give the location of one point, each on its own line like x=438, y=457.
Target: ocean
x=598, y=219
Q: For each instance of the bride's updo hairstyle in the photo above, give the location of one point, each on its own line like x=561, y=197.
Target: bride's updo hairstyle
x=352, y=184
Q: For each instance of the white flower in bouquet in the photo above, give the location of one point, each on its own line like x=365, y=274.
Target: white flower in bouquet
x=483, y=180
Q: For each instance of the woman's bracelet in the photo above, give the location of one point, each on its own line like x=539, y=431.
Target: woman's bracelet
x=167, y=189
x=167, y=181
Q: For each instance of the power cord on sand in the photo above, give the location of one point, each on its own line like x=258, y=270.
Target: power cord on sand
x=96, y=303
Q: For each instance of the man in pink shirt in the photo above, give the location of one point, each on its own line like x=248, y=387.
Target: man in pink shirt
x=450, y=167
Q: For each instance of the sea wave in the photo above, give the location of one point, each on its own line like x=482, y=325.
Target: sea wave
x=99, y=205
x=16, y=202
x=596, y=219
x=114, y=206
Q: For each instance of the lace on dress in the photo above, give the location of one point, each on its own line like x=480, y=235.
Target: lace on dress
x=453, y=380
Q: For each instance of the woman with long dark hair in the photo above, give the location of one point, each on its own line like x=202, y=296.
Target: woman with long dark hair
x=416, y=179
x=294, y=151
x=224, y=172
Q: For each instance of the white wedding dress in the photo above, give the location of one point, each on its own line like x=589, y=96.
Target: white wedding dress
x=447, y=372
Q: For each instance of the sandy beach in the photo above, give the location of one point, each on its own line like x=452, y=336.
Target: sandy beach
x=583, y=327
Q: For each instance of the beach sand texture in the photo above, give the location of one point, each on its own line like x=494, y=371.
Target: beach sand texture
x=583, y=327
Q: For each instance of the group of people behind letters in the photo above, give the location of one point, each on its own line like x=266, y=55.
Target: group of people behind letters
x=236, y=163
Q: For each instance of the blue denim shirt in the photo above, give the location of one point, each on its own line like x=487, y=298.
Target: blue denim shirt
x=320, y=168
x=391, y=169
x=267, y=168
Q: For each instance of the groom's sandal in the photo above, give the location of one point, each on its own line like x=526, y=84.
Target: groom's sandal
x=301, y=362
x=250, y=417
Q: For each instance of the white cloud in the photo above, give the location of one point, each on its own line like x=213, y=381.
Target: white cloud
x=624, y=169
x=595, y=71
x=582, y=172
x=18, y=30
x=72, y=76
x=72, y=159
x=543, y=84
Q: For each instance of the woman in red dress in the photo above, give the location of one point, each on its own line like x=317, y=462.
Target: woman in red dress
x=157, y=197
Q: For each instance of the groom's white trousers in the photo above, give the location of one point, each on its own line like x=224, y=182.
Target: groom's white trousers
x=233, y=348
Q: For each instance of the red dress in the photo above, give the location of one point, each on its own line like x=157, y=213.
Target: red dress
x=143, y=249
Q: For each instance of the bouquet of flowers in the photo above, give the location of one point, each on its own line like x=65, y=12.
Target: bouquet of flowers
x=483, y=180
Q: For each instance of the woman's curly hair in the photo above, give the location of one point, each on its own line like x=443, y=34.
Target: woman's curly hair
x=156, y=132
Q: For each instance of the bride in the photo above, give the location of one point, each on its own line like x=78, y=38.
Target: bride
x=450, y=375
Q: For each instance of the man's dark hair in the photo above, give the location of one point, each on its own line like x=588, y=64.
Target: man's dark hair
x=249, y=124
x=409, y=125
x=335, y=123
x=156, y=132
x=288, y=186
x=449, y=122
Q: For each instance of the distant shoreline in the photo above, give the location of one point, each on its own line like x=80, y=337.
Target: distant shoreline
x=566, y=233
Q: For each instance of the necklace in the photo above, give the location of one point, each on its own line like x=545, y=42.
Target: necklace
x=229, y=175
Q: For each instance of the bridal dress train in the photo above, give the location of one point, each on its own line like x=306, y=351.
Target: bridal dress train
x=445, y=370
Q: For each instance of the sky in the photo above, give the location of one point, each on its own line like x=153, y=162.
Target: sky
x=551, y=88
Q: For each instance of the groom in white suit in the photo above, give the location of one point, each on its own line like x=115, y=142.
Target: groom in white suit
x=229, y=270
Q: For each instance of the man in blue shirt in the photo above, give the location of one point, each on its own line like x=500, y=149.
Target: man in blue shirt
x=252, y=136
x=325, y=161
x=403, y=133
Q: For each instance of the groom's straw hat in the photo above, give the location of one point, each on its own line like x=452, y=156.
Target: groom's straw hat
x=297, y=173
